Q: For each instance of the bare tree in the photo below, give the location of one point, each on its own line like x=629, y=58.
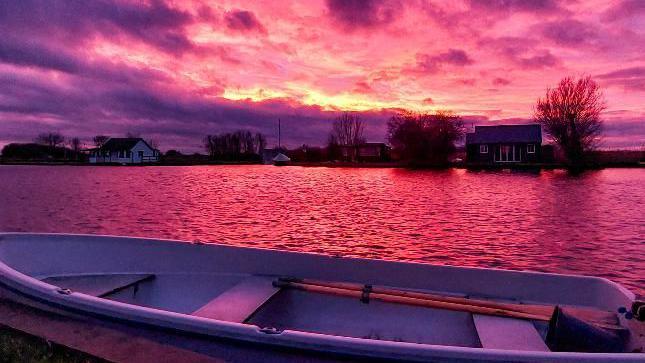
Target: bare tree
x=153, y=143
x=347, y=130
x=100, y=140
x=51, y=139
x=75, y=144
x=570, y=115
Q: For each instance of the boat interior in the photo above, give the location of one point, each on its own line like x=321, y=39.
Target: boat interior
x=238, y=285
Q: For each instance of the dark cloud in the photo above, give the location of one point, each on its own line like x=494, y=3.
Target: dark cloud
x=467, y=82
x=363, y=87
x=501, y=81
x=532, y=6
x=630, y=78
x=88, y=106
x=74, y=21
x=355, y=14
x=432, y=63
x=569, y=32
x=543, y=59
x=524, y=52
x=32, y=54
x=624, y=9
x=242, y=20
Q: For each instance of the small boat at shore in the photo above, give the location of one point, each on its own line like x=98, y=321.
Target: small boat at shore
x=281, y=160
x=356, y=308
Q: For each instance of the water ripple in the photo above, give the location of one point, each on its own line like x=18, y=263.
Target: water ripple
x=549, y=221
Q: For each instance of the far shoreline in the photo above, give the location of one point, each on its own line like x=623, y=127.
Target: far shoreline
x=349, y=165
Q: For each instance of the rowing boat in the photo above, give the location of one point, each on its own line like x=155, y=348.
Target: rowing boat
x=350, y=307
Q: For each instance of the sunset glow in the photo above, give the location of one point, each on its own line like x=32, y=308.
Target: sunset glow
x=175, y=71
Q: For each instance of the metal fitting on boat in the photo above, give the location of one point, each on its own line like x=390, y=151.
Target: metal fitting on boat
x=638, y=309
x=270, y=330
x=365, y=296
x=63, y=291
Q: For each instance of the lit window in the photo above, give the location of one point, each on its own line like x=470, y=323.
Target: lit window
x=530, y=148
x=483, y=149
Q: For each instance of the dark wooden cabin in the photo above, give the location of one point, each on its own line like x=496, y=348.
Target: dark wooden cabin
x=504, y=144
x=367, y=151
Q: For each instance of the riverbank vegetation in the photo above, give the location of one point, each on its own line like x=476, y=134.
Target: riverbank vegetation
x=48, y=146
x=423, y=139
x=241, y=145
x=570, y=116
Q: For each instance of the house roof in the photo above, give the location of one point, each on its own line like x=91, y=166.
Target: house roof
x=364, y=144
x=121, y=143
x=531, y=133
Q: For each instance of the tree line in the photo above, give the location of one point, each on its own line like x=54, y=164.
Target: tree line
x=56, y=146
x=570, y=115
x=235, y=146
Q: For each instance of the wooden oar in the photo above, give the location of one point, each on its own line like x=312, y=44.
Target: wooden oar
x=592, y=315
x=411, y=301
x=416, y=301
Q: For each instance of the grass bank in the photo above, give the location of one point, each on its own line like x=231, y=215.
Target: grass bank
x=16, y=346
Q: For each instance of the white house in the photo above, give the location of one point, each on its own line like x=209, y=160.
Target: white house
x=126, y=150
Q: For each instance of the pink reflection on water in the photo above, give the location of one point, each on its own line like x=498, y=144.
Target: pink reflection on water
x=546, y=221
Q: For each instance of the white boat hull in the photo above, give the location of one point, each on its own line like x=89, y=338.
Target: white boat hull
x=189, y=276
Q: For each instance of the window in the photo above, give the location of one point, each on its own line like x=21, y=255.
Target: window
x=483, y=149
x=530, y=148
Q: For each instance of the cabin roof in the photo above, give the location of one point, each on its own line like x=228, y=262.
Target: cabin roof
x=531, y=133
x=122, y=143
x=365, y=144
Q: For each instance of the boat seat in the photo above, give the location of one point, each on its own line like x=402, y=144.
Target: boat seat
x=98, y=285
x=238, y=303
x=506, y=333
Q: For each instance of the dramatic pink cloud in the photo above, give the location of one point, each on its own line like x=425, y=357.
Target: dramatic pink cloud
x=175, y=71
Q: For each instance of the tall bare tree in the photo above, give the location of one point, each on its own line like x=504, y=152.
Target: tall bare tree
x=75, y=144
x=570, y=115
x=153, y=143
x=347, y=130
x=51, y=139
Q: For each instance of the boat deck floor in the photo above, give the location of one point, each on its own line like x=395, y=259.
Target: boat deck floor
x=114, y=342
x=253, y=300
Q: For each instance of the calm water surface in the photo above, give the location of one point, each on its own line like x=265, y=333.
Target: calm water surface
x=592, y=224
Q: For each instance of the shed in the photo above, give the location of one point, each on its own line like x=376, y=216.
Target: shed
x=504, y=144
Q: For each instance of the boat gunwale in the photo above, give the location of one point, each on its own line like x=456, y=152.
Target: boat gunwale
x=293, y=339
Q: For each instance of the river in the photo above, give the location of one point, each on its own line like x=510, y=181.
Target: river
x=591, y=224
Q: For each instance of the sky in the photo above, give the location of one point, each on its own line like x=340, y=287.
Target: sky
x=177, y=71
